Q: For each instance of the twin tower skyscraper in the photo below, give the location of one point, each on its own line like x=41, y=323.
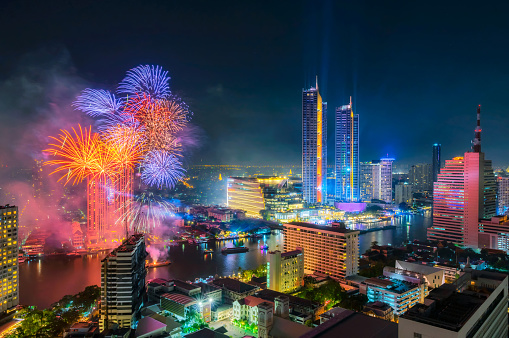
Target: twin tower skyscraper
x=314, y=150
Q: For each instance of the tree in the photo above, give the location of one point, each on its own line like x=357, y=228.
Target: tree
x=309, y=323
x=374, y=243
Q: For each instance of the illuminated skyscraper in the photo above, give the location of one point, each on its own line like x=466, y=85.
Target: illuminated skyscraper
x=382, y=180
x=437, y=160
x=421, y=177
x=503, y=195
x=347, y=154
x=366, y=181
x=314, y=146
x=464, y=193
x=9, y=294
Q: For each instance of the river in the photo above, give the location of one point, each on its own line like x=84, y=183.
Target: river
x=45, y=281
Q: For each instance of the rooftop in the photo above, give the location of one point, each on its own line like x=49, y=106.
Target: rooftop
x=206, y=333
x=285, y=328
x=147, y=325
x=127, y=245
x=353, y=324
x=234, y=285
x=270, y=295
x=252, y=301
x=178, y=298
x=416, y=267
x=335, y=229
x=184, y=285
x=291, y=253
x=390, y=284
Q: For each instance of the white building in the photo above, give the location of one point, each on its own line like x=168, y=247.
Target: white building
x=403, y=193
x=475, y=306
x=376, y=180
x=400, y=289
x=247, y=309
x=285, y=271
x=433, y=277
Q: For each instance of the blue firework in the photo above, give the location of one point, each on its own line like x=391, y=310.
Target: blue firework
x=149, y=80
x=160, y=168
x=98, y=102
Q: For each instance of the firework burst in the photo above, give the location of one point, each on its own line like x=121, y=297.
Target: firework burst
x=148, y=80
x=146, y=212
x=161, y=169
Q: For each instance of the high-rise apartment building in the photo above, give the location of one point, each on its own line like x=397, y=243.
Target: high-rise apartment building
x=464, y=193
x=285, y=270
x=403, y=193
x=314, y=146
x=421, y=177
x=347, y=154
x=9, y=292
x=123, y=283
x=366, y=181
x=331, y=250
x=436, y=160
x=503, y=195
x=382, y=180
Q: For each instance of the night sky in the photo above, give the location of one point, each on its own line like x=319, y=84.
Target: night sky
x=416, y=70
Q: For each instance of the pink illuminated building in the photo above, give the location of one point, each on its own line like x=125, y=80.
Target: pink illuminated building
x=464, y=193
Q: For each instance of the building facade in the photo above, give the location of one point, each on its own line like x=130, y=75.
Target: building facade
x=347, y=154
x=403, y=193
x=246, y=194
x=366, y=181
x=464, y=193
x=436, y=161
x=331, y=250
x=382, y=179
x=494, y=233
x=285, y=271
x=9, y=295
x=503, y=195
x=421, y=177
x=123, y=283
x=314, y=146
x=475, y=306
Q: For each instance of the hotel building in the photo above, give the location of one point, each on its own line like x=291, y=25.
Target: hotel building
x=464, y=193
x=347, y=154
x=9, y=292
x=123, y=283
x=314, y=146
x=285, y=271
x=331, y=250
x=494, y=233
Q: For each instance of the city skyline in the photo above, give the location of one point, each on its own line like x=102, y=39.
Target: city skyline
x=394, y=86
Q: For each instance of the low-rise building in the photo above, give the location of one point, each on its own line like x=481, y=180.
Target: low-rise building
x=474, y=306
x=433, y=277
x=177, y=304
x=234, y=289
x=285, y=271
x=211, y=292
x=398, y=288
x=379, y=310
x=82, y=329
x=247, y=309
x=296, y=304
x=221, y=312
x=494, y=233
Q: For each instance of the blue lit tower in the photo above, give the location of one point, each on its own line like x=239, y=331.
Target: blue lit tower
x=347, y=154
x=314, y=146
x=437, y=160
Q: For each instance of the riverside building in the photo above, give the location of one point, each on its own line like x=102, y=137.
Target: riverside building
x=331, y=250
x=285, y=271
x=9, y=292
x=123, y=284
x=314, y=146
x=464, y=193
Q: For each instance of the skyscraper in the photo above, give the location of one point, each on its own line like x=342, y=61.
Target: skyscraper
x=382, y=179
x=437, y=160
x=314, y=146
x=421, y=177
x=366, y=181
x=503, y=195
x=9, y=296
x=123, y=283
x=464, y=193
x=347, y=154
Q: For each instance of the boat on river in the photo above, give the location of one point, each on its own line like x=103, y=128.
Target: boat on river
x=238, y=249
x=158, y=264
